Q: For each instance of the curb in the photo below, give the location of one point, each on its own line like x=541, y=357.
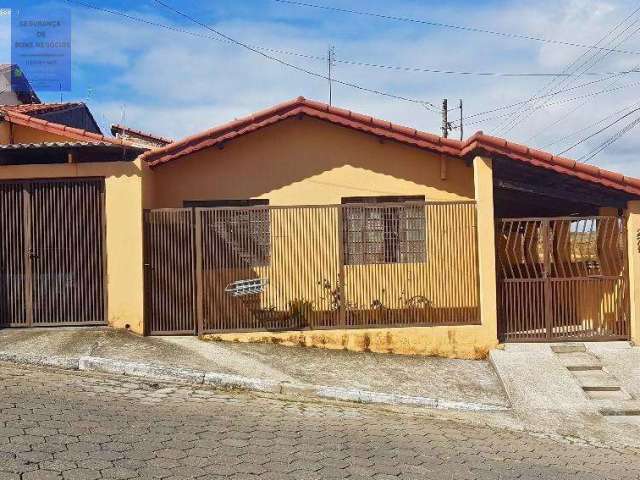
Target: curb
x=225, y=380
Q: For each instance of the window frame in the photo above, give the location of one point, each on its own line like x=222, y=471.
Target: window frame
x=243, y=216
x=393, y=221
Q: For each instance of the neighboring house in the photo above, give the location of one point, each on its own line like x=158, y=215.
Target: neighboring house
x=15, y=96
x=138, y=137
x=314, y=225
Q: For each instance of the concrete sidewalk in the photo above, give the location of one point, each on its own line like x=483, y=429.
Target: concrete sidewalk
x=369, y=377
x=582, y=390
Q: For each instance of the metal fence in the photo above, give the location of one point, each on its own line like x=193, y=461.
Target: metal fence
x=563, y=278
x=52, y=260
x=288, y=268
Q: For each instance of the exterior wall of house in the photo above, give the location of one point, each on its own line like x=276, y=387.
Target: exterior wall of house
x=310, y=162
x=633, y=245
x=123, y=211
x=21, y=134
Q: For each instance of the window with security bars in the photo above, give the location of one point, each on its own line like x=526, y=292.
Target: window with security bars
x=242, y=235
x=392, y=232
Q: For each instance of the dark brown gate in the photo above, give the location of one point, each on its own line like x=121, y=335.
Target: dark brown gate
x=170, y=299
x=218, y=269
x=562, y=279
x=52, y=257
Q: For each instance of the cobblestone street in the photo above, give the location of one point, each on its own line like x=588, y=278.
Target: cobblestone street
x=56, y=424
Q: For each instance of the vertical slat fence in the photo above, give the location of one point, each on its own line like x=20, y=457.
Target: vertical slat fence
x=311, y=267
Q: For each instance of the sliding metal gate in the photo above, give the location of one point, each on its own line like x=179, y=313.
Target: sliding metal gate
x=52, y=256
x=563, y=279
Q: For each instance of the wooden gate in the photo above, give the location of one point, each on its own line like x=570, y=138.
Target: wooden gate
x=562, y=278
x=52, y=256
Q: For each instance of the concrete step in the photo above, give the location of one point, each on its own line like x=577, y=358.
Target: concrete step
x=596, y=380
x=625, y=412
x=569, y=348
x=609, y=394
x=578, y=359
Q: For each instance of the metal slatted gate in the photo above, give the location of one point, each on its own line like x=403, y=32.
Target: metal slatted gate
x=170, y=301
x=562, y=279
x=52, y=256
x=259, y=268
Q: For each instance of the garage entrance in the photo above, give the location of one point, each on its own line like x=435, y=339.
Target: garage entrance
x=563, y=278
x=52, y=255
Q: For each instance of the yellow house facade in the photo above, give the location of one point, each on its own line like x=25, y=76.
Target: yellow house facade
x=371, y=236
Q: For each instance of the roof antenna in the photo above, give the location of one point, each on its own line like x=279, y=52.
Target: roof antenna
x=461, y=121
x=331, y=62
x=123, y=114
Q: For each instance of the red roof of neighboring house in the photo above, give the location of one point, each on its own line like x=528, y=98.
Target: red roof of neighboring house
x=116, y=128
x=18, y=118
x=35, y=108
x=476, y=144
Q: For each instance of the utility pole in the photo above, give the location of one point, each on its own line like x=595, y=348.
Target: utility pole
x=461, y=117
x=331, y=62
x=445, y=121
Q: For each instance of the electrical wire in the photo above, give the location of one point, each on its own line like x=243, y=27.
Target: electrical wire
x=428, y=105
x=581, y=141
x=589, y=62
x=610, y=141
x=560, y=102
x=584, y=129
x=552, y=94
x=452, y=26
x=412, y=69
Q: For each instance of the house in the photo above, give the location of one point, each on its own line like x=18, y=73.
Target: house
x=15, y=89
x=62, y=187
x=309, y=224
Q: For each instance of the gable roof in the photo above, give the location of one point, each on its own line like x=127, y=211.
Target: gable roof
x=10, y=114
x=477, y=144
x=72, y=114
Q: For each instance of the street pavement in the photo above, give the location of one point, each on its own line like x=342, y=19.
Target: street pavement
x=73, y=425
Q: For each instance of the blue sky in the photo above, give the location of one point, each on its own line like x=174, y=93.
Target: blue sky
x=176, y=84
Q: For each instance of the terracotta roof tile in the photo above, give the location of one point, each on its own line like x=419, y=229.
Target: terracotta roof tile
x=19, y=118
x=34, y=108
x=476, y=144
x=151, y=136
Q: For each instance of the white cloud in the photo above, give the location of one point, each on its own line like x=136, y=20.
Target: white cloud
x=175, y=84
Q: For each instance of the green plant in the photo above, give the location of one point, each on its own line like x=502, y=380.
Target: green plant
x=300, y=309
x=334, y=293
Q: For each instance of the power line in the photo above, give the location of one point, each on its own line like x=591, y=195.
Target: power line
x=580, y=70
x=464, y=73
x=322, y=58
x=560, y=102
x=428, y=105
x=452, y=26
x=610, y=141
x=581, y=141
x=552, y=94
x=584, y=129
